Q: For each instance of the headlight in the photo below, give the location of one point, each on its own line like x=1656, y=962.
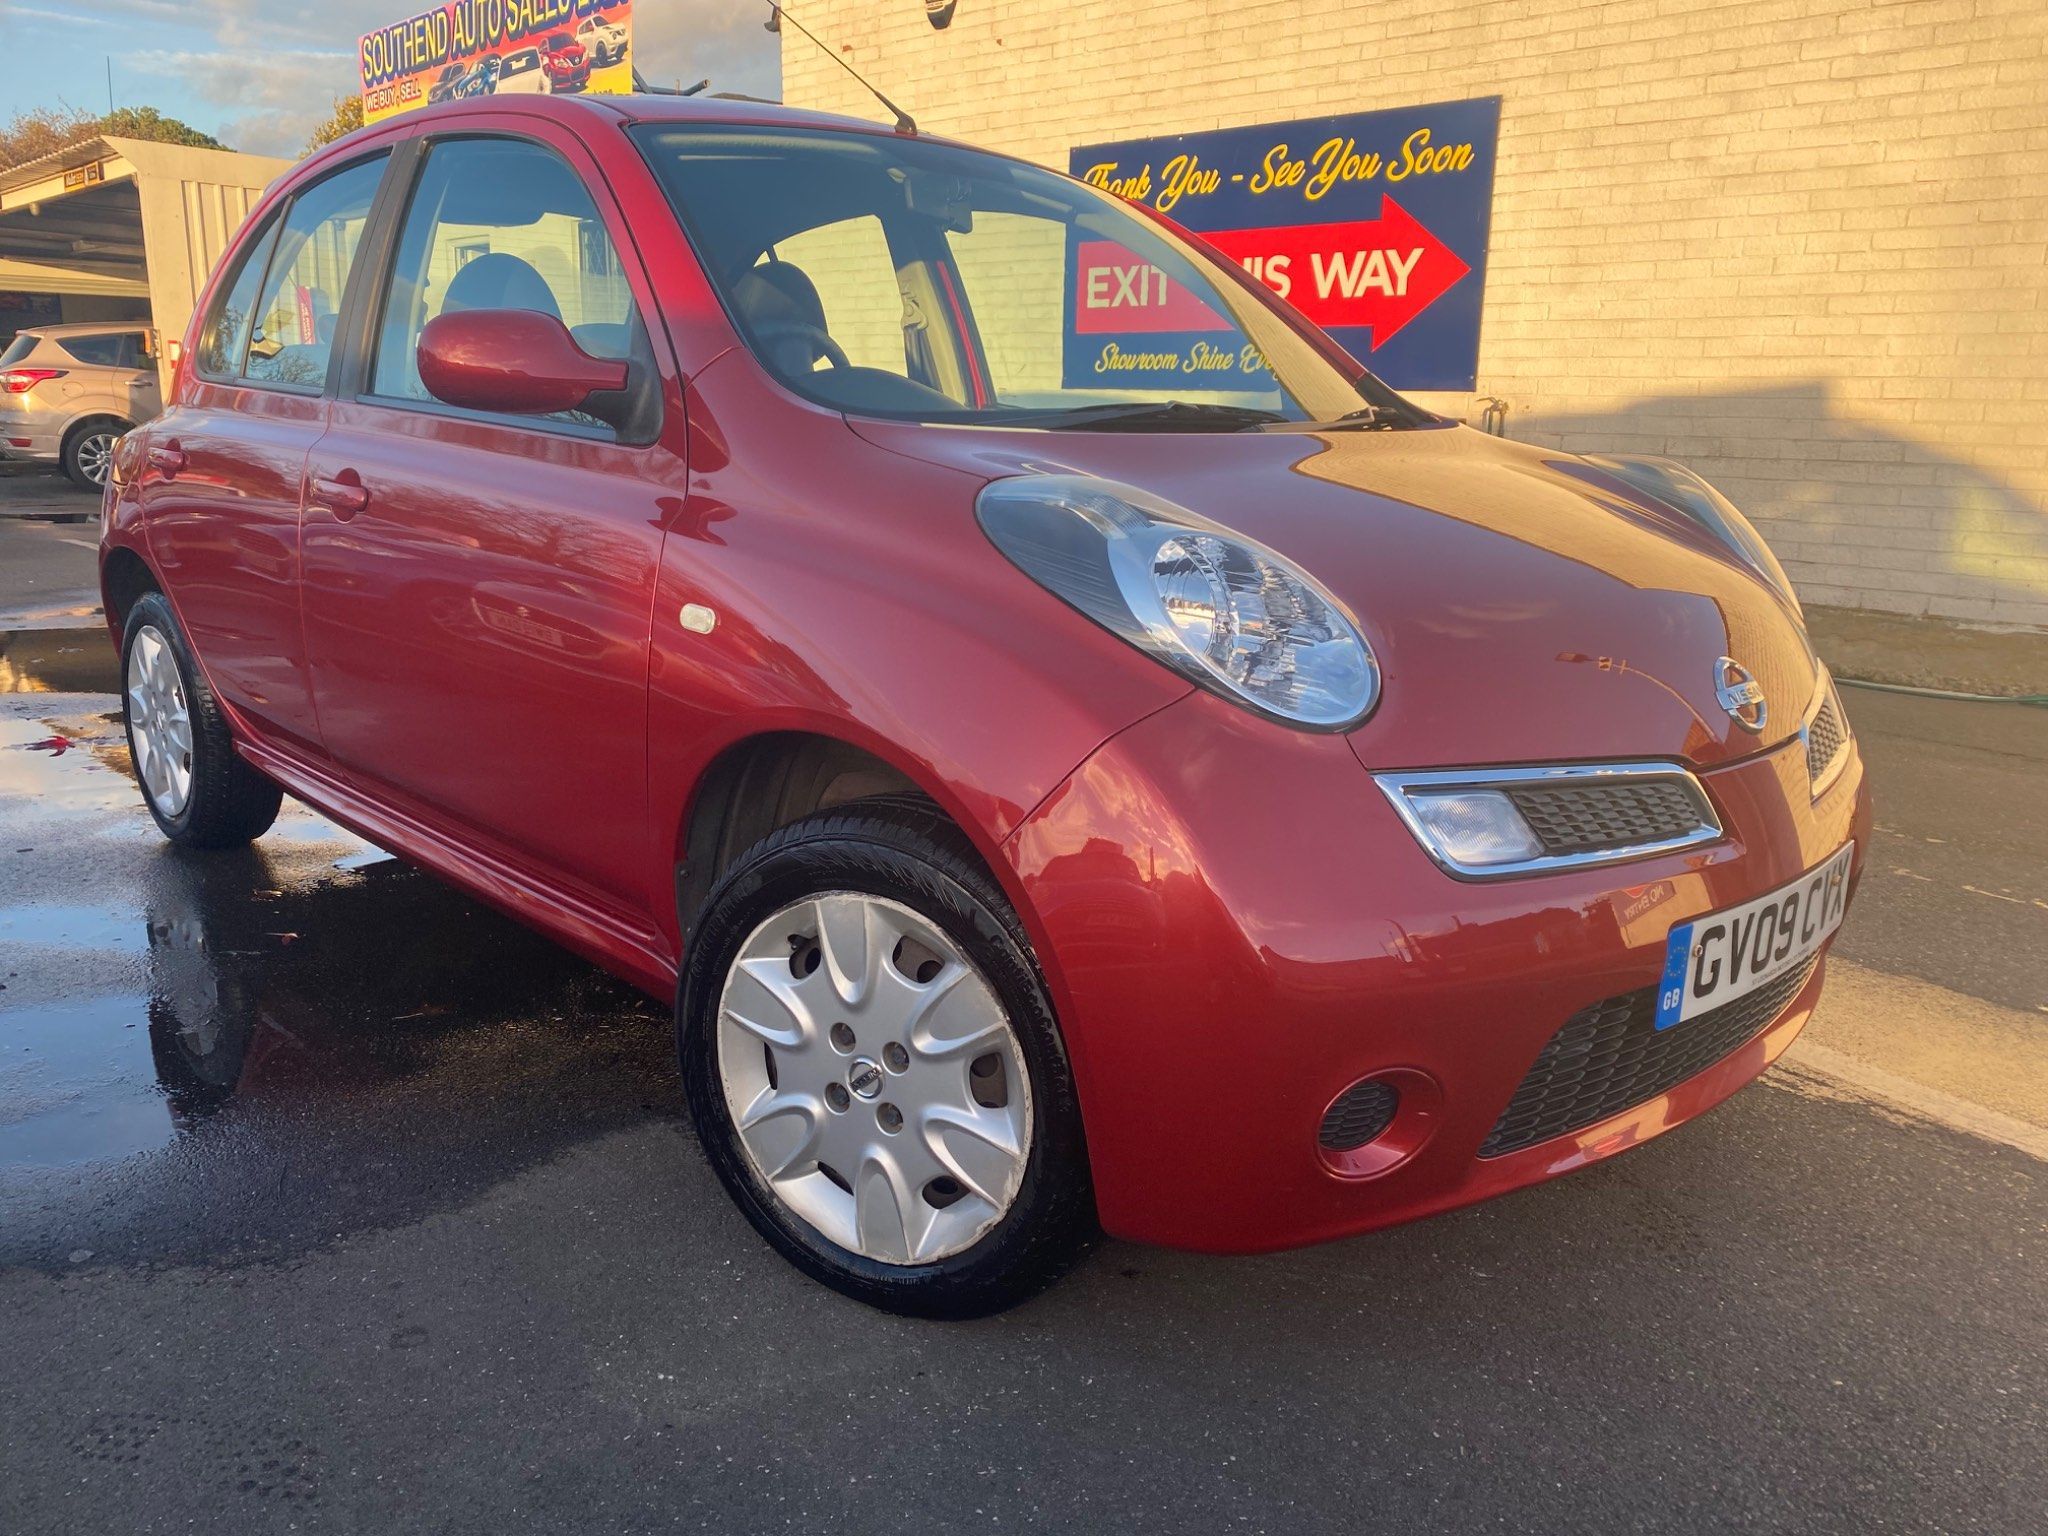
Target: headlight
x=1678, y=486
x=1225, y=611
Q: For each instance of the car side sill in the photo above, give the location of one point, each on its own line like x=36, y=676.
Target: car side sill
x=632, y=955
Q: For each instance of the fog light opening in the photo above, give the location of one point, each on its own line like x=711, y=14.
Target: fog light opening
x=1378, y=1123
x=1360, y=1113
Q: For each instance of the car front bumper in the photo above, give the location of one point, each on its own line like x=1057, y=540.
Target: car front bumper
x=1236, y=927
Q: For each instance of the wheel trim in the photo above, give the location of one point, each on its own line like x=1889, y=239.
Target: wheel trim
x=800, y=1104
x=159, y=722
x=96, y=454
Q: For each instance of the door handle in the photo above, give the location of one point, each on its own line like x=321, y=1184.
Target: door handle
x=167, y=461
x=342, y=494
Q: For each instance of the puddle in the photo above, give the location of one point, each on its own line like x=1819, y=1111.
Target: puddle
x=361, y=1048
x=77, y=1085
x=58, y=661
x=55, y=927
x=216, y=1057
x=90, y=773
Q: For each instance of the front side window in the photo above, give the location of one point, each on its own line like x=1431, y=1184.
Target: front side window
x=224, y=339
x=291, y=338
x=501, y=224
x=890, y=276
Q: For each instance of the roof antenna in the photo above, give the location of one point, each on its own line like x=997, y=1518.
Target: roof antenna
x=905, y=123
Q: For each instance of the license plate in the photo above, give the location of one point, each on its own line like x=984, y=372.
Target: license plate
x=1718, y=958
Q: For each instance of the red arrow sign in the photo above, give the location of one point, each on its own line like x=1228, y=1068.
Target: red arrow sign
x=1371, y=273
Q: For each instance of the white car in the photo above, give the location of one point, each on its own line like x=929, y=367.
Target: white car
x=522, y=74
x=606, y=40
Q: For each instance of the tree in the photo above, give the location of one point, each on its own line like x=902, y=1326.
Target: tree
x=148, y=123
x=347, y=117
x=40, y=130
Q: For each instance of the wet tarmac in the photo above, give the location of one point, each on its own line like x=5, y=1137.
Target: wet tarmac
x=191, y=1045
x=331, y=1201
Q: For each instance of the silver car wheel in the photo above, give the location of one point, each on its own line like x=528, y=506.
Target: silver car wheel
x=159, y=722
x=873, y=1078
x=96, y=455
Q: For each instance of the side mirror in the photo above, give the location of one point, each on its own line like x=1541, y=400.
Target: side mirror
x=514, y=360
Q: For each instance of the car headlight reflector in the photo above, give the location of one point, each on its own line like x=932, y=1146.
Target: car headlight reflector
x=1221, y=609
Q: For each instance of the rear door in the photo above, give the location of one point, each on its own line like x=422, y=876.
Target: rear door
x=478, y=587
x=222, y=482
x=110, y=373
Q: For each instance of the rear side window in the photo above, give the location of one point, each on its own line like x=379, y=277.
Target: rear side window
x=298, y=305
x=114, y=349
x=501, y=224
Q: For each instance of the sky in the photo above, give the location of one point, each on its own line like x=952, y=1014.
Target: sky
x=260, y=74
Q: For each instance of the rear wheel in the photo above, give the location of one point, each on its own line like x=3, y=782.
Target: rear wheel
x=197, y=787
x=89, y=451
x=874, y=1069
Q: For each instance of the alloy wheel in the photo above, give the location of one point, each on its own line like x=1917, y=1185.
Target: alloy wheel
x=159, y=722
x=873, y=1079
x=96, y=455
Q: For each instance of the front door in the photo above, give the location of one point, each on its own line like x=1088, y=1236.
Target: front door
x=478, y=588
x=221, y=485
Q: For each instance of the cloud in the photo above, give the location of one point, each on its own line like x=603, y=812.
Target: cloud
x=682, y=43
x=271, y=100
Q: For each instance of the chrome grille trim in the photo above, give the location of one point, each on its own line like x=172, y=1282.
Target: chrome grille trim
x=1703, y=827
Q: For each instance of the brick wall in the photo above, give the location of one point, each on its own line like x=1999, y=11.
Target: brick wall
x=1800, y=244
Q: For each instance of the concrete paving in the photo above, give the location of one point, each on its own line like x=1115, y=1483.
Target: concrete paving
x=330, y=1201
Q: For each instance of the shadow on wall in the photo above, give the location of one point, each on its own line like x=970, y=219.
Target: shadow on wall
x=1861, y=516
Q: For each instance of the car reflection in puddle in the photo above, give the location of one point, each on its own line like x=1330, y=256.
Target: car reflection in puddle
x=211, y=1057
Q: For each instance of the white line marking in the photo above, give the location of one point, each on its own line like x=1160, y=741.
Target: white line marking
x=1823, y=1072
x=80, y=544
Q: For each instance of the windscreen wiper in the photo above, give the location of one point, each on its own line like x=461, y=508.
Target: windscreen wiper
x=1375, y=418
x=1156, y=416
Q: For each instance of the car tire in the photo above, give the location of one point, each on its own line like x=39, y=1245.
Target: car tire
x=200, y=790
x=89, y=451
x=896, y=857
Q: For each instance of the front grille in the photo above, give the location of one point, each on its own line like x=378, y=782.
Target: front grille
x=1825, y=739
x=1611, y=1057
x=1587, y=817
x=1361, y=1112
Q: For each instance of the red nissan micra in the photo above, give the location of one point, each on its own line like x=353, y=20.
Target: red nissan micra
x=1184, y=787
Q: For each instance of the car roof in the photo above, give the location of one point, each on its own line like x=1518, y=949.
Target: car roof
x=84, y=328
x=587, y=109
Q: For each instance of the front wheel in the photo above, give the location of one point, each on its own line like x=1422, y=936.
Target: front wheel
x=874, y=1068
x=197, y=787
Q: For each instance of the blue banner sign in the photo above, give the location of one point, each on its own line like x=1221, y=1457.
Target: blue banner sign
x=1374, y=225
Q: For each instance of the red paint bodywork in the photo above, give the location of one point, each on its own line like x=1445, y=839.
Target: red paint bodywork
x=511, y=360
x=460, y=637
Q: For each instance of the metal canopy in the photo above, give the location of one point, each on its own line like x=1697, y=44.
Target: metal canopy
x=127, y=218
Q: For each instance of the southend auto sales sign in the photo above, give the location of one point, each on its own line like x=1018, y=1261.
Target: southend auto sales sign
x=1374, y=225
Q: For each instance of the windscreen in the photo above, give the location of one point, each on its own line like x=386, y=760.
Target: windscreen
x=886, y=275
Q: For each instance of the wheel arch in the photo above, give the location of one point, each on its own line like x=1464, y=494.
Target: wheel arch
x=124, y=577
x=91, y=418
x=768, y=779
